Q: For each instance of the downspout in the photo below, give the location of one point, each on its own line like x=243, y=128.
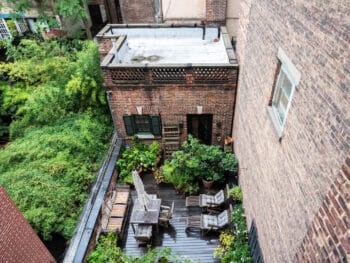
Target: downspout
x=108, y=93
x=158, y=11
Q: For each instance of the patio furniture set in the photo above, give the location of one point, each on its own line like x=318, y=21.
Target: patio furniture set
x=147, y=213
x=214, y=216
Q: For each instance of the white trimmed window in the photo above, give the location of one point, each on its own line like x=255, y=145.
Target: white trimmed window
x=21, y=26
x=287, y=79
x=4, y=30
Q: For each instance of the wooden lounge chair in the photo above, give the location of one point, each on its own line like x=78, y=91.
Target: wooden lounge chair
x=204, y=200
x=207, y=222
x=166, y=213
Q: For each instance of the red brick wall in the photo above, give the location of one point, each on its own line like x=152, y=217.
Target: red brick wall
x=328, y=237
x=285, y=183
x=18, y=241
x=173, y=102
x=104, y=45
x=216, y=11
x=137, y=11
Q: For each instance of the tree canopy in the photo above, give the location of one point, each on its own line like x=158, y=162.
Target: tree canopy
x=59, y=132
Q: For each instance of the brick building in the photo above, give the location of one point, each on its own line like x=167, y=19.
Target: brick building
x=158, y=75
x=173, y=11
x=291, y=127
x=18, y=241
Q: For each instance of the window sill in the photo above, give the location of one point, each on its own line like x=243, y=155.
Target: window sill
x=145, y=136
x=278, y=131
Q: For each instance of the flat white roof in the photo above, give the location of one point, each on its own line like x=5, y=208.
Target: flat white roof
x=170, y=45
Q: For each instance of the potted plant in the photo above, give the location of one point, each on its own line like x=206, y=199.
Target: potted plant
x=197, y=163
x=140, y=157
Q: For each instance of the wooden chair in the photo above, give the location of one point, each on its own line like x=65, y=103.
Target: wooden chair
x=143, y=233
x=166, y=213
x=207, y=222
x=211, y=201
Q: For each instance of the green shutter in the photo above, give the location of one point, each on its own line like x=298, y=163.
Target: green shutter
x=156, y=126
x=128, y=123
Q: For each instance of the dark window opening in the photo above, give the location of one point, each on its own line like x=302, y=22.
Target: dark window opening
x=200, y=126
x=142, y=124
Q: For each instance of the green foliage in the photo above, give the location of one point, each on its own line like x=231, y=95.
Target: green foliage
x=50, y=82
x=58, y=142
x=71, y=8
x=86, y=83
x=107, y=251
x=48, y=172
x=226, y=239
x=197, y=161
x=234, y=245
x=236, y=193
x=140, y=157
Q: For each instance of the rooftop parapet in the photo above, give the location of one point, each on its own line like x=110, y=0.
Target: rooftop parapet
x=155, y=45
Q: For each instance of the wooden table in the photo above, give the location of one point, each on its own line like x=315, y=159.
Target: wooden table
x=140, y=216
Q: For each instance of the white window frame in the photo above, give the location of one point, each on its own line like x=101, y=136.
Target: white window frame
x=289, y=71
x=4, y=30
x=21, y=26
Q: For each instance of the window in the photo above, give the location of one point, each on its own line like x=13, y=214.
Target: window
x=282, y=97
x=287, y=79
x=142, y=124
x=4, y=31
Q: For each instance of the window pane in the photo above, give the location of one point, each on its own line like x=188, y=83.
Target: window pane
x=287, y=86
x=281, y=113
x=284, y=101
x=142, y=123
x=281, y=96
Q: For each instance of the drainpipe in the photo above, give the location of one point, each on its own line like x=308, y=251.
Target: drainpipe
x=158, y=11
x=108, y=93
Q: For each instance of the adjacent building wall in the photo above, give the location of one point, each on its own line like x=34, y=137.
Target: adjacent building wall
x=232, y=16
x=18, y=241
x=212, y=12
x=183, y=10
x=289, y=184
x=137, y=11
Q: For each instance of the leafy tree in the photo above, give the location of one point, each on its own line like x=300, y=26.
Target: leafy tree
x=48, y=171
x=57, y=141
x=49, y=82
x=87, y=82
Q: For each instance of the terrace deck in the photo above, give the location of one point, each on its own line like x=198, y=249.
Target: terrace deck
x=188, y=245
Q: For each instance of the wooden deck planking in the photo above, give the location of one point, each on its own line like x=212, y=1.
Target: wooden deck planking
x=188, y=245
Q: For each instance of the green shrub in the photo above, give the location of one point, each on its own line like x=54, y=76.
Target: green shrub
x=139, y=157
x=58, y=142
x=48, y=172
x=234, y=245
x=236, y=193
x=195, y=162
x=107, y=251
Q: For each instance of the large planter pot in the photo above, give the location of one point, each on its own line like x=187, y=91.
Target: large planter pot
x=207, y=184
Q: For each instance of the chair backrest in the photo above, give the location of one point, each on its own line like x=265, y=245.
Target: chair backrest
x=223, y=218
x=219, y=197
x=167, y=212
